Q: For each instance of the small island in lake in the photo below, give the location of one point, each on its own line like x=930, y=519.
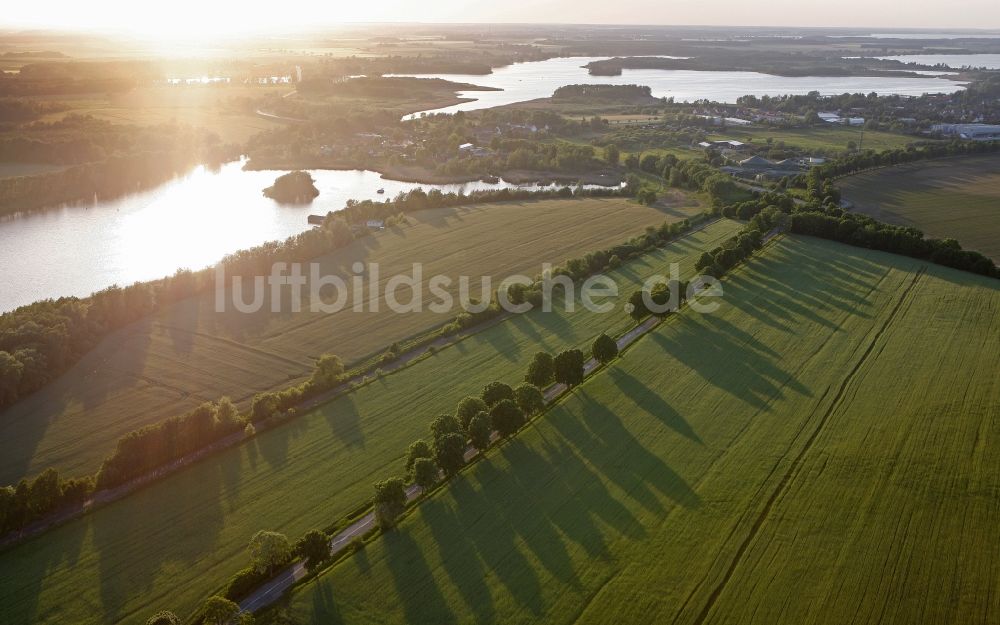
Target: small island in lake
x=293, y=188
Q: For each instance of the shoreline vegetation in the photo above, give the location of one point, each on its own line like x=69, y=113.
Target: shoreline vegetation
x=776, y=65
x=420, y=175
x=295, y=187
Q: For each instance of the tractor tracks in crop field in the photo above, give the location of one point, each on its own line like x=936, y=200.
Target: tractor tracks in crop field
x=796, y=464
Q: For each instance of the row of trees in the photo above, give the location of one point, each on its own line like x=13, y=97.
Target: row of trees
x=580, y=268
x=829, y=221
x=499, y=409
x=733, y=251
x=863, y=231
x=29, y=501
x=418, y=199
x=149, y=448
x=268, y=552
x=868, y=159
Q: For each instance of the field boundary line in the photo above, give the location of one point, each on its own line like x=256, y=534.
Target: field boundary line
x=796, y=464
x=233, y=343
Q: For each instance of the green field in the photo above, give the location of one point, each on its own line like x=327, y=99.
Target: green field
x=165, y=365
x=171, y=544
x=957, y=198
x=818, y=451
x=824, y=138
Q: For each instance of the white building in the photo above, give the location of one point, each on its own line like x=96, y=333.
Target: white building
x=971, y=132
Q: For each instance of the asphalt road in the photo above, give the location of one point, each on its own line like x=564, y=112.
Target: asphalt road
x=279, y=584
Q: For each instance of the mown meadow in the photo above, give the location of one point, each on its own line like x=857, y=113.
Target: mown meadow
x=817, y=451
x=167, y=364
x=170, y=545
x=957, y=198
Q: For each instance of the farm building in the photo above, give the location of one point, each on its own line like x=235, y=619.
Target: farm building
x=723, y=144
x=971, y=132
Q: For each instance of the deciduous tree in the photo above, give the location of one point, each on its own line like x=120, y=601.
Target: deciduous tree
x=268, y=550
x=541, y=370
x=480, y=430
x=506, y=417
x=425, y=473
x=417, y=449
x=468, y=408
x=219, y=610
x=329, y=369
x=495, y=392
x=314, y=546
x=390, y=501
x=612, y=155
x=443, y=425
x=605, y=349
x=528, y=398
x=164, y=617
x=569, y=367
x=449, y=453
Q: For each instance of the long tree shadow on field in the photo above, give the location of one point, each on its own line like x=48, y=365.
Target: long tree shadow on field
x=626, y=461
x=534, y=526
x=590, y=501
x=344, y=419
x=91, y=388
x=458, y=554
x=24, y=568
x=767, y=355
x=749, y=376
x=652, y=403
x=157, y=532
x=324, y=606
x=500, y=339
x=273, y=448
x=497, y=547
x=818, y=283
x=419, y=594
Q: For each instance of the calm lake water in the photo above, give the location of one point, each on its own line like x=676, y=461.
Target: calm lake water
x=539, y=79
x=957, y=61
x=190, y=222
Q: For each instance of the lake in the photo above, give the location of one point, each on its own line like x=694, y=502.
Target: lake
x=189, y=222
x=539, y=79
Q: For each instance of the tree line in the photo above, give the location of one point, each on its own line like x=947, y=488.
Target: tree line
x=867, y=159
x=828, y=221
x=147, y=449
x=497, y=413
x=499, y=409
x=104, y=160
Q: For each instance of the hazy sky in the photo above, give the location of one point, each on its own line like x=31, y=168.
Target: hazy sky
x=210, y=17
